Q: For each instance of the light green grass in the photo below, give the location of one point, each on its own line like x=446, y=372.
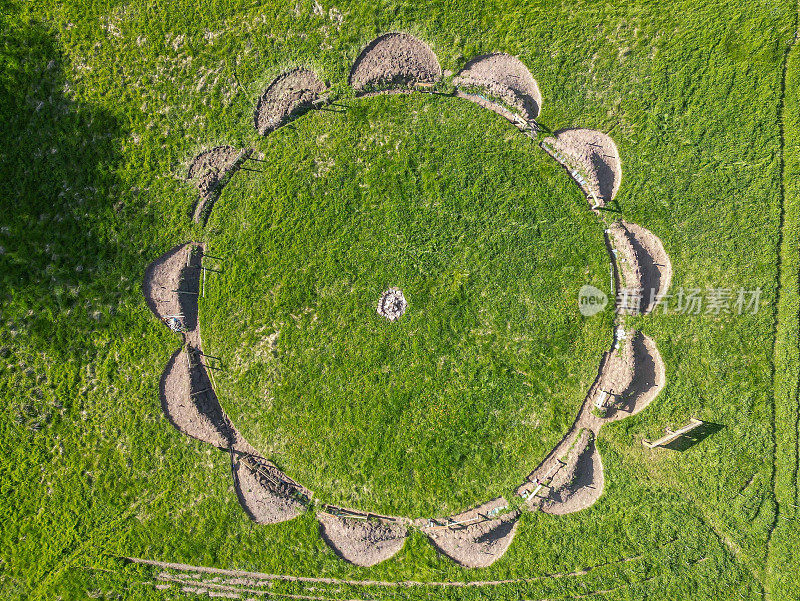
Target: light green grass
x=488, y=239
x=90, y=467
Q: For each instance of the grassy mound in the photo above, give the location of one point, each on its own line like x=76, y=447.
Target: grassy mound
x=489, y=242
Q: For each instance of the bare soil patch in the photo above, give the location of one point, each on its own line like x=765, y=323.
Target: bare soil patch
x=478, y=544
x=394, y=59
x=193, y=414
x=362, y=542
x=210, y=171
x=505, y=77
x=649, y=377
x=643, y=265
x=161, y=277
x=595, y=156
x=580, y=483
x=619, y=368
x=259, y=499
x=287, y=96
x=654, y=264
x=392, y=304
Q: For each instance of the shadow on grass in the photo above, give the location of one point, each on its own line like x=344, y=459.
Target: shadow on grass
x=57, y=174
x=696, y=436
x=611, y=207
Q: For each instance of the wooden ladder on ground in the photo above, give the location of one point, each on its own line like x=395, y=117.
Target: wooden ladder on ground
x=670, y=436
x=279, y=485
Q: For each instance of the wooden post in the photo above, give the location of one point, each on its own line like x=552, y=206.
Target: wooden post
x=211, y=377
x=205, y=268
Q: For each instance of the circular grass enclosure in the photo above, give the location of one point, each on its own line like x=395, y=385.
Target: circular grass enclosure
x=458, y=400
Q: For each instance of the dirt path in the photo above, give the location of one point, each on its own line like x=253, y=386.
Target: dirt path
x=287, y=96
x=390, y=92
x=209, y=171
x=394, y=59
x=492, y=106
x=505, y=77
x=644, y=266
x=189, y=401
x=591, y=158
x=571, y=476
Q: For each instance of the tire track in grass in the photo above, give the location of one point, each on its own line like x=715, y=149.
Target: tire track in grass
x=93, y=540
x=792, y=177
x=726, y=541
x=608, y=591
x=204, y=587
x=786, y=352
x=267, y=578
x=544, y=588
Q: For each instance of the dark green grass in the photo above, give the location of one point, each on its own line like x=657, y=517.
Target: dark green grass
x=91, y=469
x=489, y=241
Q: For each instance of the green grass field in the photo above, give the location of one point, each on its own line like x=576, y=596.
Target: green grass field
x=488, y=239
x=103, y=105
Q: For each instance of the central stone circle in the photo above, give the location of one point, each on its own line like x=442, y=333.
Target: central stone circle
x=392, y=304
